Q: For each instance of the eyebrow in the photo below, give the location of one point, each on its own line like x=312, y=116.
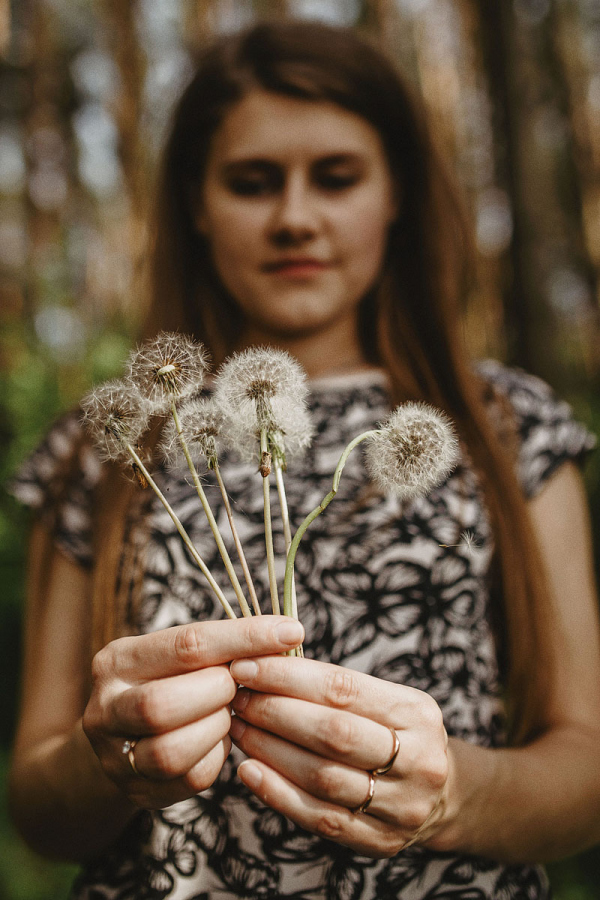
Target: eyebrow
x=259, y=162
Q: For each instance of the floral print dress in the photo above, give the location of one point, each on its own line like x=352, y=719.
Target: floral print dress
x=396, y=590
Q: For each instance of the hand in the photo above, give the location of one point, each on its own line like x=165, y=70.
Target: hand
x=171, y=691
x=314, y=733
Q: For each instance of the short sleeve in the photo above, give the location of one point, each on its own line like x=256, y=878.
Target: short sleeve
x=547, y=433
x=58, y=482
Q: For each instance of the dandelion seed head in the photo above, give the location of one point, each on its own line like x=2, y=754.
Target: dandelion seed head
x=469, y=543
x=170, y=367
x=201, y=426
x=262, y=388
x=114, y=416
x=413, y=452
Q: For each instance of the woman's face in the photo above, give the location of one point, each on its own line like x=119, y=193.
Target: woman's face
x=296, y=206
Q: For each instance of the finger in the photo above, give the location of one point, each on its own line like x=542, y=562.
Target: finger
x=184, y=648
x=161, y=794
x=334, y=686
x=168, y=756
x=404, y=803
x=331, y=733
x=168, y=703
x=363, y=833
x=324, y=779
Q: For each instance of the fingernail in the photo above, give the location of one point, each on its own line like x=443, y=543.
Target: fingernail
x=240, y=701
x=237, y=728
x=243, y=670
x=250, y=774
x=290, y=632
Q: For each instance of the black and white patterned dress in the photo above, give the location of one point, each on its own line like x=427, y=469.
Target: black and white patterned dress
x=386, y=588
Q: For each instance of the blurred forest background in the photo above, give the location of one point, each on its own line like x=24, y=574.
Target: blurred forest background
x=513, y=92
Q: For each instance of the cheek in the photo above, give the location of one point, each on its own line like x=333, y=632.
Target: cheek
x=365, y=236
x=236, y=244
x=235, y=232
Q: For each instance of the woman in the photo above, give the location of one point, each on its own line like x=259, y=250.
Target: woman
x=302, y=206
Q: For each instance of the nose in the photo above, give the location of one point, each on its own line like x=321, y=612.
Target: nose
x=295, y=217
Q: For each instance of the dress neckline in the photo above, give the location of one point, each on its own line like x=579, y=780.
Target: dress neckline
x=342, y=380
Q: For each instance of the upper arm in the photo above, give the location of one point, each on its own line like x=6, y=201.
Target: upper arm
x=560, y=518
x=56, y=642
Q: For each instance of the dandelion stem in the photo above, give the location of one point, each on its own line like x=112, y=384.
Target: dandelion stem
x=236, y=538
x=186, y=538
x=265, y=472
x=291, y=555
x=287, y=533
x=285, y=516
x=211, y=519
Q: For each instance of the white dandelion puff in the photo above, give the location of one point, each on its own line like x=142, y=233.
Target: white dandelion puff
x=261, y=389
x=114, y=417
x=170, y=367
x=201, y=425
x=413, y=451
x=469, y=542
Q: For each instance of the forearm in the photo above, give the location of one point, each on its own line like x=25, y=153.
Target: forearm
x=63, y=804
x=534, y=803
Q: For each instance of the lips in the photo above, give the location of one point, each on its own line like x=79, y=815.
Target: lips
x=305, y=265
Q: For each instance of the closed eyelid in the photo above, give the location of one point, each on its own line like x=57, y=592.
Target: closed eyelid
x=343, y=163
x=252, y=178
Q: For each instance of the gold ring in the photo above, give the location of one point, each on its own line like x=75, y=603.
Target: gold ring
x=128, y=748
x=384, y=769
x=367, y=801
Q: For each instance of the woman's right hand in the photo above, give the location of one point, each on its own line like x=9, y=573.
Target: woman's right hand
x=170, y=691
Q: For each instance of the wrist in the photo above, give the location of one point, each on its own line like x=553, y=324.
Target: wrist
x=467, y=788
x=63, y=773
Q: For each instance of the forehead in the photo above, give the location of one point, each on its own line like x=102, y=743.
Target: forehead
x=274, y=125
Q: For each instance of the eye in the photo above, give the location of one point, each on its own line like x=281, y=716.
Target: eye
x=333, y=181
x=254, y=181
x=337, y=173
x=249, y=187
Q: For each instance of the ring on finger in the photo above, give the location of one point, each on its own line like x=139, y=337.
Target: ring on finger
x=367, y=801
x=382, y=770
x=128, y=749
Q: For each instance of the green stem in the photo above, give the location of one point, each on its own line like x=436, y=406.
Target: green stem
x=236, y=538
x=211, y=519
x=264, y=448
x=291, y=556
x=186, y=538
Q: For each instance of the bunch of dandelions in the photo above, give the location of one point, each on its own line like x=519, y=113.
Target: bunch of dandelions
x=259, y=410
x=412, y=452
x=261, y=394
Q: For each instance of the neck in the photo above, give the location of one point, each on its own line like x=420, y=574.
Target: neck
x=328, y=351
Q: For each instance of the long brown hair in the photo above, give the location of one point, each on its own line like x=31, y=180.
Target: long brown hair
x=411, y=318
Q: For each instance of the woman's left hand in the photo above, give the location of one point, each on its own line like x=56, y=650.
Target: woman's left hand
x=315, y=732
